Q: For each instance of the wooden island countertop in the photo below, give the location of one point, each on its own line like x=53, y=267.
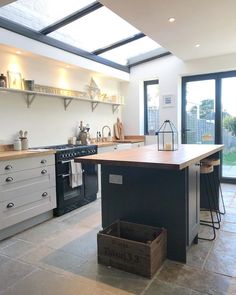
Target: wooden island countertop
x=150, y=157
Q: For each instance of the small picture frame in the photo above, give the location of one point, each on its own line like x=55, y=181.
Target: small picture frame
x=168, y=100
x=15, y=80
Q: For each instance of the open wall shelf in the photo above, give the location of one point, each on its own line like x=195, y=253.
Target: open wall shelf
x=31, y=95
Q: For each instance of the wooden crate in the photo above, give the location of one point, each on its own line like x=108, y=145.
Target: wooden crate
x=132, y=247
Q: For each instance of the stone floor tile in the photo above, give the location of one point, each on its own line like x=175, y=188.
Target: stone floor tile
x=7, y=242
x=221, y=262
x=3, y=259
x=231, y=210
x=163, y=288
x=198, y=253
x=12, y=271
x=48, y=283
x=17, y=249
x=230, y=217
x=84, y=245
x=229, y=227
x=42, y=232
x=54, y=260
x=198, y=280
x=113, y=277
x=85, y=215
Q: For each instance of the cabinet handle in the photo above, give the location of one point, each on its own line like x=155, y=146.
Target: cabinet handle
x=10, y=205
x=9, y=179
x=8, y=167
x=44, y=171
x=44, y=194
x=43, y=161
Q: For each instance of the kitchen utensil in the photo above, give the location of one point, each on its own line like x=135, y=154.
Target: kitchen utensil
x=119, y=130
x=21, y=133
x=116, y=130
x=24, y=144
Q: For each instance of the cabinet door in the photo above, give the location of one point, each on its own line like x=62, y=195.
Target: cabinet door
x=11, y=166
x=137, y=144
x=193, y=202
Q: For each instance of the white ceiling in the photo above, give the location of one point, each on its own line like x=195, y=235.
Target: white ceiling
x=210, y=23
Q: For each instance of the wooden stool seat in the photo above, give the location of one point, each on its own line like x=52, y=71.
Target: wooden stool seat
x=208, y=161
x=206, y=169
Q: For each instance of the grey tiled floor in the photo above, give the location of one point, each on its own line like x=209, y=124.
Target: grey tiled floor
x=59, y=257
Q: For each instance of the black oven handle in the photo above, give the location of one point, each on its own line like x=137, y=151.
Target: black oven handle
x=67, y=175
x=64, y=162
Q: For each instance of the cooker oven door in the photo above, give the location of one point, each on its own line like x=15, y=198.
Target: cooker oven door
x=68, y=198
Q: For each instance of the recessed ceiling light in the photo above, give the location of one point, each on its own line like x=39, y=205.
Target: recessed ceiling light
x=197, y=45
x=18, y=52
x=171, y=19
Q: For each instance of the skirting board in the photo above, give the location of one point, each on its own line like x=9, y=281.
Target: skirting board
x=21, y=226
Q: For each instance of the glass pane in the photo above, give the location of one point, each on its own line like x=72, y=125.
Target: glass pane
x=200, y=112
x=123, y=53
x=37, y=14
x=95, y=30
x=229, y=126
x=153, y=94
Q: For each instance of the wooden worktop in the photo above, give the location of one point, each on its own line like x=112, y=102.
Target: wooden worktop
x=149, y=156
x=127, y=139
x=10, y=155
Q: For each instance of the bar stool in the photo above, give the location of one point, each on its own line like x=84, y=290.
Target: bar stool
x=217, y=185
x=205, y=170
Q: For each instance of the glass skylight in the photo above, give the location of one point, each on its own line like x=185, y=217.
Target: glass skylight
x=123, y=53
x=95, y=30
x=37, y=14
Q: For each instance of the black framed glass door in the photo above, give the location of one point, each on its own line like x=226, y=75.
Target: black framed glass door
x=209, y=115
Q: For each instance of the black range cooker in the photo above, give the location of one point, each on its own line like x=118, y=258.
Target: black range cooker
x=68, y=197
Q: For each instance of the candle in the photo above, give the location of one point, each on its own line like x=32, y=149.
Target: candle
x=168, y=147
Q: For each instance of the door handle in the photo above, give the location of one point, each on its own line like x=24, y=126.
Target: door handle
x=44, y=194
x=8, y=167
x=10, y=205
x=9, y=179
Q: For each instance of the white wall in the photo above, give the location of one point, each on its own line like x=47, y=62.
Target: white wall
x=46, y=120
x=169, y=71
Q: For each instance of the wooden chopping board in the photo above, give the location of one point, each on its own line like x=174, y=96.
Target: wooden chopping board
x=119, y=130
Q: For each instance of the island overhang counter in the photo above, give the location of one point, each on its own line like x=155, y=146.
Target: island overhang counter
x=158, y=188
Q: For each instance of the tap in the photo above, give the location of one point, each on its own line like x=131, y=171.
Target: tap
x=109, y=132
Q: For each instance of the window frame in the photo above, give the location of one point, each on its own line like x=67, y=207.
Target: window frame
x=145, y=85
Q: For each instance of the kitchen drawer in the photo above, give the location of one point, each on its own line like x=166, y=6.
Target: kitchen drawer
x=26, y=207
x=137, y=144
x=21, y=178
x=9, y=192
x=106, y=149
x=9, y=166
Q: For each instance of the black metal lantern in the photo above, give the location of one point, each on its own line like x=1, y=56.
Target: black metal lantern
x=167, y=137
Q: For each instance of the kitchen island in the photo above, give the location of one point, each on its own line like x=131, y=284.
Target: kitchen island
x=159, y=188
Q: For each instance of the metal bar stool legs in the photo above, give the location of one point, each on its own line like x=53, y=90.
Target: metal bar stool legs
x=206, y=170
x=215, y=163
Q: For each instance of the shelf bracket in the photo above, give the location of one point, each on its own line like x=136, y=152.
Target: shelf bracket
x=67, y=102
x=29, y=99
x=94, y=105
x=115, y=107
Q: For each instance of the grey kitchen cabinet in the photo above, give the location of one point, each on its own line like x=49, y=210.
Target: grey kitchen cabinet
x=27, y=189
